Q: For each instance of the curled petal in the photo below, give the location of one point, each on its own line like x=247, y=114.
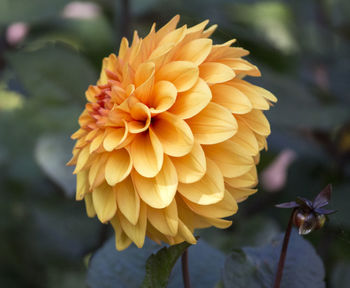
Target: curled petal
x=191, y=167
x=114, y=137
x=174, y=134
x=142, y=118
x=164, y=96
x=118, y=166
x=191, y=102
x=214, y=124
x=212, y=72
x=147, y=154
x=208, y=190
x=195, y=51
x=159, y=191
x=182, y=74
x=231, y=98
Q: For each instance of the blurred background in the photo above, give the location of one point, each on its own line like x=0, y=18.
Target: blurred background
x=50, y=51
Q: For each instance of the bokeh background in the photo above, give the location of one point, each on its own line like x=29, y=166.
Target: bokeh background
x=50, y=51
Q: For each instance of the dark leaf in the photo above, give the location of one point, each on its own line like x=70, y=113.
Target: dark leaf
x=323, y=197
x=159, y=265
x=255, y=267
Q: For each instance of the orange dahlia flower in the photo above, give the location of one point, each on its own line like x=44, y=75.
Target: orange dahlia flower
x=170, y=136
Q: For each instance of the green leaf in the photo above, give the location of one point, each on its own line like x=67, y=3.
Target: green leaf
x=159, y=265
x=54, y=74
x=255, y=267
x=52, y=153
x=109, y=268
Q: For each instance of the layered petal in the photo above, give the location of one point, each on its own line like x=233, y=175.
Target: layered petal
x=105, y=202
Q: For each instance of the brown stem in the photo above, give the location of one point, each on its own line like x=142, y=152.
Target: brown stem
x=283, y=252
x=185, y=273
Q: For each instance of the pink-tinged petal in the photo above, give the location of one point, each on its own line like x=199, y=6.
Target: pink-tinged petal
x=208, y=190
x=213, y=124
x=118, y=166
x=159, y=191
x=182, y=74
x=191, y=102
x=174, y=134
x=147, y=154
x=191, y=167
x=212, y=72
x=105, y=202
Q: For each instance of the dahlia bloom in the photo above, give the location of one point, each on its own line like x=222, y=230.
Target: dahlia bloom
x=170, y=137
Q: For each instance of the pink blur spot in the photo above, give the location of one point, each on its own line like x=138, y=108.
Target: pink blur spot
x=16, y=32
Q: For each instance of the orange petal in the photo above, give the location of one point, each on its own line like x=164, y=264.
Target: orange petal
x=82, y=185
x=195, y=51
x=122, y=241
x=164, y=220
x=212, y=72
x=256, y=121
x=97, y=171
x=226, y=158
x=209, y=189
x=114, y=137
x=174, y=37
x=136, y=232
x=174, y=134
x=164, y=96
x=157, y=192
x=191, y=167
x=231, y=98
x=244, y=141
x=142, y=118
x=240, y=194
x=224, y=208
x=90, y=210
x=193, y=101
x=247, y=180
x=82, y=159
x=144, y=80
x=105, y=202
x=128, y=200
x=213, y=124
x=170, y=26
x=182, y=74
x=147, y=154
x=118, y=166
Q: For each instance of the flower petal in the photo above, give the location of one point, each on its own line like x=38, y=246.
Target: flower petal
x=247, y=180
x=142, y=118
x=105, y=202
x=244, y=141
x=164, y=96
x=95, y=144
x=97, y=171
x=186, y=233
x=231, y=98
x=209, y=189
x=122, y=241
x=164, y=220
x=157, y=192
x=182, y=74
x=144, y=80
x=89, y=206
x=82, y=159
x=128, y=200
x=194, y=51
x=136, y=232
x=224, y=208
x=147, y=154
x=114, y=137
x=226, y=158
x=82, y=185
x=240, y=194
x=212, y=72
x=191, y=167
x=193, y=101
x=213, y=124
x=174, y=134
x=118, y=166
x=256, y=121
